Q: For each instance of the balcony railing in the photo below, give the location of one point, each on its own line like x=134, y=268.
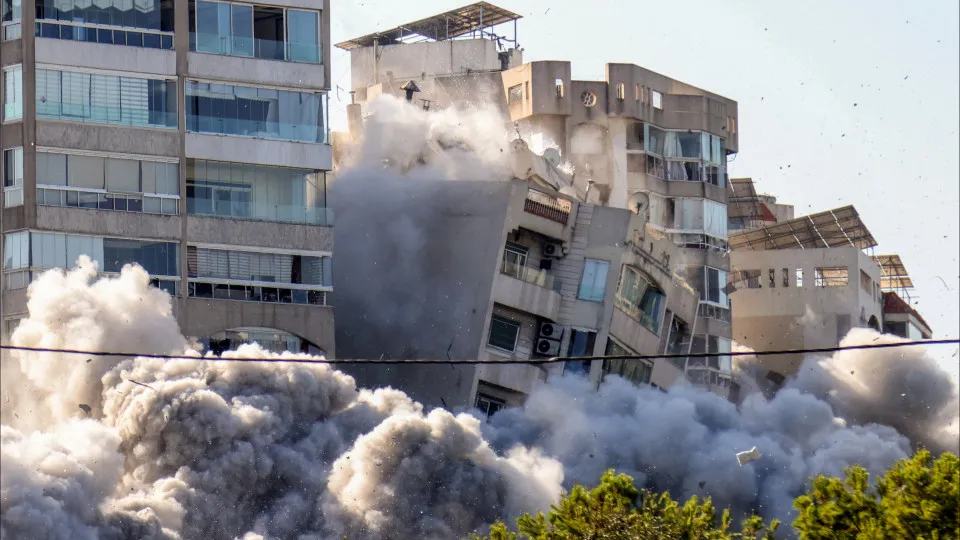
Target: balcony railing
x=98, y=199
x=546, y=206
x=254, y=211
x=93, y=33
x=251, y=292
x=534, y=276
x=711, y=311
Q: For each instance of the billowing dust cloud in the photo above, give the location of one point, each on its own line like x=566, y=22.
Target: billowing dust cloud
x=263, y=447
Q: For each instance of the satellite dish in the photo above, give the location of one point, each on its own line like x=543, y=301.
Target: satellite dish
x=639, y=202
x=552, y=155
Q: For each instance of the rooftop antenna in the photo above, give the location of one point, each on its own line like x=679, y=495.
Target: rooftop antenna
x=410, y=87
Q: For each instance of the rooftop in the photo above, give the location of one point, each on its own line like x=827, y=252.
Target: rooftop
x=743, y=202
x=834, y=228
x=892, y=303
x=448, y=25
x=893, y=274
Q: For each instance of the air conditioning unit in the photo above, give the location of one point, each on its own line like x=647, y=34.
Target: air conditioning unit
x=548, y=347
x=553, y=250
x=549, y=330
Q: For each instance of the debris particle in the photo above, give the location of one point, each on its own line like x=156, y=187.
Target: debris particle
x=85, y=408
x=746, y=457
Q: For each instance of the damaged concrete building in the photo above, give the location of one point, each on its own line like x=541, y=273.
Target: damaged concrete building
x=637, y=162
x=804, y=282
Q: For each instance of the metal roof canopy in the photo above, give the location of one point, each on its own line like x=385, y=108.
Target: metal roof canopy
x=833, y=228
x=893, y=275
x=743, y=202
x=448, y=25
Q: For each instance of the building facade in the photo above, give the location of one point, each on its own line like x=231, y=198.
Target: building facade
x=188, y=136
x=804, y=282
x=638, y=140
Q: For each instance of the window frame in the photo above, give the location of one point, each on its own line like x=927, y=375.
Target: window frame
x=594, y=287
x=13, y=99
x=509, y=322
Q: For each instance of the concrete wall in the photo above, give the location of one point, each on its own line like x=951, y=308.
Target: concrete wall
x=413, y=274
x=800, y=317
x=107, y=223
x=369, y=65
x=259, y=233
x=61, y=52
x=202, y=317
x=260, y=151
x=255, y=71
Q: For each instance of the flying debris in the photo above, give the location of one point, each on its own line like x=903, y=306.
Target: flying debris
x=749, y=456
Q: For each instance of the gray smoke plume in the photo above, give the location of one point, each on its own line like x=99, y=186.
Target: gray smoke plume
x=213, y=449
x=129, y=448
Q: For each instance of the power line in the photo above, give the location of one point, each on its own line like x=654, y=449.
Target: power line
x=535, y=361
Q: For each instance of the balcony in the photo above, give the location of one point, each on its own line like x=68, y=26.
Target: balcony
x=527, y=289
x=546, y=206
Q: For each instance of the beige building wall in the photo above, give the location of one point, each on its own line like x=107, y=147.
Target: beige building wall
x=804, y=313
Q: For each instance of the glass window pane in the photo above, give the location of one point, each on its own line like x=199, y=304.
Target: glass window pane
x=13, y=93
x=86, y=172
x=123, y=175
x=13, y=167
x=241, y=17
x=303, y=36
x=208, y=27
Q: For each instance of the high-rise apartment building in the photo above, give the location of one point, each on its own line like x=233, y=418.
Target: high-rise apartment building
x=637, y=140
x=188, y=136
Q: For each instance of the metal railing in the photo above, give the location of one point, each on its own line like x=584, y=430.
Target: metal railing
x=222, y=290
x=535, y=276
x=546, y=206
x=103, y=34
x=99, y=199
x=715, y=312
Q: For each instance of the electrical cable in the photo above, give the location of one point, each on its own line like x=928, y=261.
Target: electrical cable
x=534, y=361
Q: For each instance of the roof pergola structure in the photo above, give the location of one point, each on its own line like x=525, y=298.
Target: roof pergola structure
x=477, y=18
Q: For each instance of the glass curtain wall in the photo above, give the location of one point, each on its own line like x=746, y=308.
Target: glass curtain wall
x=106, y=99
x=256, y=112
x=270, y=33
x=256, y=192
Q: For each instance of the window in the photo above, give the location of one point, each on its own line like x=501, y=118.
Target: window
x=746, y=279
x=639, y=298
x=256, y=112
x=10, y=18
x=107, y=99
x=711, y=282
x=582, y=343
x=636, y=92
x=656, y=99
x=772, y=277
x=12, y=93
x=593, y=283
x=786, y=277
x=700, y=215
x=270, y=33
x=866, y=283
x=834, y=276
x=634, y=370
x=655, y=139
x=621, y=92
x=514, y=260
x=41, y=251
x=489, y=405
x=153, y=15
x=799, y=277
x=12, y=177
x=707, y=344
x=256, y=192
x=503, y=333
x=273, y=277
x=107, y=183
x=148, y=23
x=515, y=94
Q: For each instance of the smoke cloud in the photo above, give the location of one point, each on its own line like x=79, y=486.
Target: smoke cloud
x=263, y=447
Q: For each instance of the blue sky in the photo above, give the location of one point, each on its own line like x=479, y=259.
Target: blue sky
x=853, y=102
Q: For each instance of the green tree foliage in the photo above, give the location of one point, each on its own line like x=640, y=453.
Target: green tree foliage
x=616, y=510
x=918, y=498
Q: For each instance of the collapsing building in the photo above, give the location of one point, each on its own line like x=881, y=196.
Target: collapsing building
x=637, y=141
x=805, y=282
